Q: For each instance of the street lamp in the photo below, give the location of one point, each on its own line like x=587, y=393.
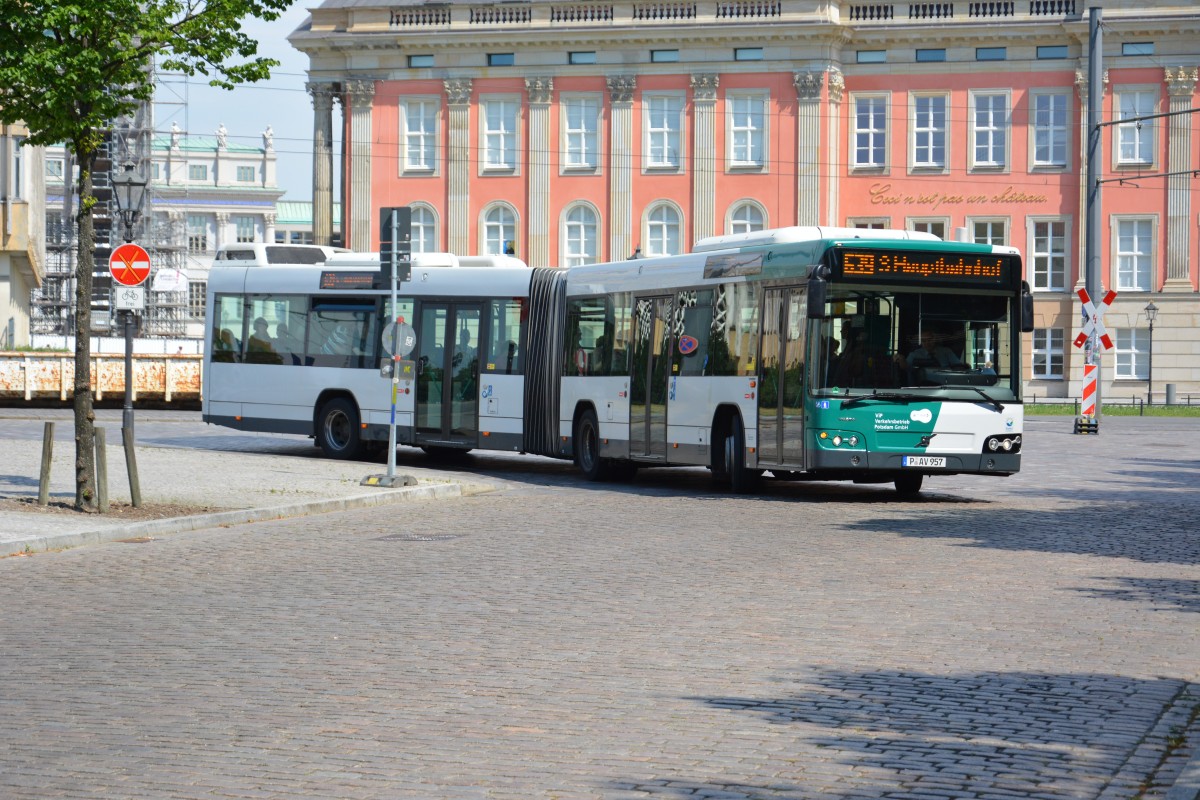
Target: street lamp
x=1151, y=314
x=129, y=192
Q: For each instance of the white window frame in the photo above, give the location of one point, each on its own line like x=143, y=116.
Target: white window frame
x=1131, y=354
x=995, y=134
x=1042, y=124
x=991, y=222
x=1135, y=144
x=658, y=236
x=1050, y=345
x=869, y=223
x=197, y=291
x=581, y=135
x=580, y=235
x=56, y=168
x=746, y=134
x=198, y=172
x=1063, y=256
x=746, y=216
x=500, y=139
x=929, y=132
x=876, y=137
x=1135, y=268
x=424, y=228
x=663, y=120
x=241, y=172
x=494, y=231
x=197, y=233
x=420, y=121
x=938, y=226
x=245, y=225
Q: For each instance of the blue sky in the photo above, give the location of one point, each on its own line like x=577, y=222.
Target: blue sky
x=280, y=102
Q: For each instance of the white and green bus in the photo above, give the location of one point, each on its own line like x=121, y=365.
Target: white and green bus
x=809, y=353
x=799, y=352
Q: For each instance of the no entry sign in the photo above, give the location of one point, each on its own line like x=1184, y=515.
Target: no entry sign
x=129, y=265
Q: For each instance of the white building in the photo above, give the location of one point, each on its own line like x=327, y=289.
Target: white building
x=207, y=191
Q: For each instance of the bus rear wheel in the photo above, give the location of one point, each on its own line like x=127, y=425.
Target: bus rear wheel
x=338, y=433
x=587, y=449
x=909, y=485
x=741, y=479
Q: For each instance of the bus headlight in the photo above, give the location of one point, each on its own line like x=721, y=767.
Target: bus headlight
x=1009, y=444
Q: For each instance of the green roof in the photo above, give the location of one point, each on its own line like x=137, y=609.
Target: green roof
x=207, y=144
x=299, y=212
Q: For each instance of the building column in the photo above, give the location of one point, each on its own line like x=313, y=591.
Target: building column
x=322, y=209
x=704, y=156
x=356, y=211
x=620, y=95
x=458, y=166
x=1181, y=84
x=808, y=147
x=221, y=230
x=540, y=91
x=269, y=228
x=833, y=149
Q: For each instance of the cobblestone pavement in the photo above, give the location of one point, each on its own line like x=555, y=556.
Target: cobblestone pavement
x=1034, y=637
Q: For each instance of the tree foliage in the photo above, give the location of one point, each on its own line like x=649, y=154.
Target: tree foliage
x=68, y=69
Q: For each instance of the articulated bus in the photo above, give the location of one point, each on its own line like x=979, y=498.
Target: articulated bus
x=811, y=353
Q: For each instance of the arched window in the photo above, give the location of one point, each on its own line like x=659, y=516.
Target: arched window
x=662, y=230
x=499, y=231
x=579, y=236
x=746, y=217
x=424, y=229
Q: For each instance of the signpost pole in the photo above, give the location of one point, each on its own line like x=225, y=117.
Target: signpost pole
x=395, y=241
x=395, y=233
x=127, y=411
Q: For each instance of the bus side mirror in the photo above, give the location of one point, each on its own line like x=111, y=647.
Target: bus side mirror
x=817, y=293
x=1026, y=308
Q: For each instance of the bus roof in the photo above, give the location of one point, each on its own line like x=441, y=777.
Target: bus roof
x=260, y=254
x=805, y=233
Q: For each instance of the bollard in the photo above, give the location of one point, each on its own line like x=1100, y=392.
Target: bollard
x=135, y=487
x=47, y=457
x=101, y=471
x=1170, y=394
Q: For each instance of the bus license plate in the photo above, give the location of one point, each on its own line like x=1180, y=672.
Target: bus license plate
x=924, y=461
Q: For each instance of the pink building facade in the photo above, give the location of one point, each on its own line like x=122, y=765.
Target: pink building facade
x=576, y=132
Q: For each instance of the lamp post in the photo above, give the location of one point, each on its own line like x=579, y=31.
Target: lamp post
x=129, y=193
x=1151, y=314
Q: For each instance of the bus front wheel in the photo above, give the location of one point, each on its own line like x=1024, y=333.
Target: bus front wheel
x=909, y=485
x=587, y=449
x=338, y=433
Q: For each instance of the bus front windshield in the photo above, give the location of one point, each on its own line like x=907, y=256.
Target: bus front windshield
x=891, y=340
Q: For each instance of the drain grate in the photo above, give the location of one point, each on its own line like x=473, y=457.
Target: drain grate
x=419, y=537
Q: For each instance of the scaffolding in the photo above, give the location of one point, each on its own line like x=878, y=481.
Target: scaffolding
x=130, y=141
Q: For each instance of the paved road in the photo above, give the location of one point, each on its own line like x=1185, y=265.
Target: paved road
x=1028, y=637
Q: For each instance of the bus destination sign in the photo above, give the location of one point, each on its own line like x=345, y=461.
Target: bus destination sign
x=932, y=267
x=349, y=280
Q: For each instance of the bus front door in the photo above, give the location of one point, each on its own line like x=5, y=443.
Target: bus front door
x=650, y=374
x=447, y=402
x=781, y=380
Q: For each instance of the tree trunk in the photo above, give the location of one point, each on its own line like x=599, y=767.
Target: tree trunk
x=85, y=417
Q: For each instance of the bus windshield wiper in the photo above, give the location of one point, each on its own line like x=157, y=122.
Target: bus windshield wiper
x=993, y=401
x=877, y=395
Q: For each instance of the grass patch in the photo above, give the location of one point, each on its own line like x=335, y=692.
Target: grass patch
x=1111, y=410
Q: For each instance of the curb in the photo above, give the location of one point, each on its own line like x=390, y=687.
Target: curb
x=159, y=527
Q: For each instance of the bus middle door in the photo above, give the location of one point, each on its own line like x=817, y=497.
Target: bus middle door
x=781, y=379
x=447, y=402
x=650, y=372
